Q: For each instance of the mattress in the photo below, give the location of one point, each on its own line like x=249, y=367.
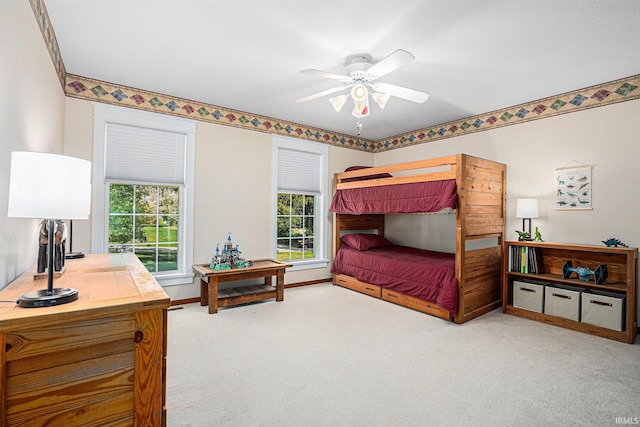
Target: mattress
x=424, y=197
x=420, y=273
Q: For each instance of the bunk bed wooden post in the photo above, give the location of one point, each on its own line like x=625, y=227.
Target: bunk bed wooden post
x=460, y=237
x=480, y=215
x=336, y=227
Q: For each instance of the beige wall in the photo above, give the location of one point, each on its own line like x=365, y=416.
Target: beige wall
x=31, y=119
x=78, y=130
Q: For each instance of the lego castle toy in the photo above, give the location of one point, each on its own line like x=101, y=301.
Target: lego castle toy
x=229, y=257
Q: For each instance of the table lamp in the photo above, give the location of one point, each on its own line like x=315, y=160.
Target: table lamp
x=49, y=186
x=527, y=209
x=70, y=254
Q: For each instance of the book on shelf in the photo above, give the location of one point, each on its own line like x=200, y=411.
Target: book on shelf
x=525, y=260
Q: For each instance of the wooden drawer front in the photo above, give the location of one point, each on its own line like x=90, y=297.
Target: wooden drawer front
x=415, y=303
x=51, y=339
x=356, y=285
x=403, y=300
x=92, y=392
x=81, y=373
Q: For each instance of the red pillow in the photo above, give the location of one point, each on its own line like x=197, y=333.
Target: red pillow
x=363, y=242
x=362, y=178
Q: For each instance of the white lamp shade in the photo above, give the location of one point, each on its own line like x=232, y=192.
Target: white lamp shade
x=51, y=186
x=361, y=108
x=360, y=96
x=381, y=98
x=359, y=92
x=337, y=102
x=527, y=208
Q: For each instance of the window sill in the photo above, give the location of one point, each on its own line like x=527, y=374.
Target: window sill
x=174, y=279
x=308, y=265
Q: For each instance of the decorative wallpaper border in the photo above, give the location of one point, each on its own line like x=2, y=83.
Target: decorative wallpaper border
x=40, y=11
x=594, y=96
x=100, y=91
x=621, y=90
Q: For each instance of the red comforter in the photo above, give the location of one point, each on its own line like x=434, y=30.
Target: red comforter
x=427, y=275
x=394, y=199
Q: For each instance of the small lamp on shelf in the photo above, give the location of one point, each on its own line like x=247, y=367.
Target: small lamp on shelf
x=526, y=209
x=51, y=187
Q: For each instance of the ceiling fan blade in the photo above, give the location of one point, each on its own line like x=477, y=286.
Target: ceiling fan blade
x=323, y=93
x=392, y=62
x=401, y=92
x=327, y=75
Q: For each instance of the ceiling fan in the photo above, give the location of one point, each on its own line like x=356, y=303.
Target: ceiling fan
x=361, y=74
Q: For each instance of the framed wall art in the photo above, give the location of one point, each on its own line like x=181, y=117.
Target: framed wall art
x=573, y=188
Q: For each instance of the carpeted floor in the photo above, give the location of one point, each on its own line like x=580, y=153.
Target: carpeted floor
x=327, y=356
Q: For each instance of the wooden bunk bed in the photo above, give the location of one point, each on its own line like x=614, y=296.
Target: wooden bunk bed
x=480, y=188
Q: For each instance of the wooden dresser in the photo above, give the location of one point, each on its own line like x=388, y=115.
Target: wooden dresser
x=100, y=360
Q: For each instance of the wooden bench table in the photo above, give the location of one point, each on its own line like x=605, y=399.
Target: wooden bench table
x=210, y=279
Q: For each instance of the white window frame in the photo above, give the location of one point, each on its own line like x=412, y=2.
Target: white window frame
x=104, y=114
x=321, y=260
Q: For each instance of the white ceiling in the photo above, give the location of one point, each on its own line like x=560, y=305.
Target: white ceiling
x=472, y=56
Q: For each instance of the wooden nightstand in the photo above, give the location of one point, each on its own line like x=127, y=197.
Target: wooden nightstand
x=95, y=361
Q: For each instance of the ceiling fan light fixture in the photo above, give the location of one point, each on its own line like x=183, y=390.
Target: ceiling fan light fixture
x=361, y=108
x=360, y=75
x=381, y=98
x=337, y=102
x=359, y=92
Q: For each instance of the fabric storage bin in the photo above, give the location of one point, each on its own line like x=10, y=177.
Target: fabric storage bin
x=529, y=296
x=562, y=301
x=606, y=309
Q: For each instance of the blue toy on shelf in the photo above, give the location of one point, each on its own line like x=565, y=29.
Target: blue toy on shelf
x=599, y=274
x=613, y=242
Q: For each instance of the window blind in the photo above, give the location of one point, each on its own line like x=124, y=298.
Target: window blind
x=299, y=171
x=135, y=153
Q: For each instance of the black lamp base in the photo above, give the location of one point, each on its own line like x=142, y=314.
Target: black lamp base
x=44, y=298
x=74, y=255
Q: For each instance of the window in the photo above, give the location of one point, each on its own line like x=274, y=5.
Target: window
x=300, y=181
x=143, y=190
x=296, y=226
x=144, y=219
